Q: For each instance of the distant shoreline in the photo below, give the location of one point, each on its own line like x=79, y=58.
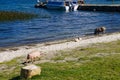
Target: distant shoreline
x=49, y=48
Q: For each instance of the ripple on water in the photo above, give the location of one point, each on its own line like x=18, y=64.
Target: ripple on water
x=52, y=24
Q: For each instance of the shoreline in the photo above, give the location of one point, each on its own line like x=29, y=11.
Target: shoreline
x=49, y=48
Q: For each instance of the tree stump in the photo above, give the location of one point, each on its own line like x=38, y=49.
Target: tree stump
x=30, y=71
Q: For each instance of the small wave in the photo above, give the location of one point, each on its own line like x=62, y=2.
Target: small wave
x=44, y=16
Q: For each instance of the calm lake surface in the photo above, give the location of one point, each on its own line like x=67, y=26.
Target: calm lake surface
x=51, y=24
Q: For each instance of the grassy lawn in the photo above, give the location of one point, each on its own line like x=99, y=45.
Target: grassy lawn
x=12, y=16
x=94, y=62
x=107, y=68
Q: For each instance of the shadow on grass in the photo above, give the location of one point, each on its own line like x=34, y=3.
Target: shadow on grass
x=16, y=78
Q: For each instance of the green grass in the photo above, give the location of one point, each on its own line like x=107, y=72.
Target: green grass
x=84, y=52
x=12, y=15
x=107, y=68
x=87, y=67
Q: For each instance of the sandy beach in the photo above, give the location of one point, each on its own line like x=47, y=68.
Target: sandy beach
x=51, y=47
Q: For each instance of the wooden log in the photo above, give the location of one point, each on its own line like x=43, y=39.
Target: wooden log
x=30, y=71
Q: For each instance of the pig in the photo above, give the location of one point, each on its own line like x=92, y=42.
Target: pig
x=77, y=39
x=32, y=56
x=99, y=30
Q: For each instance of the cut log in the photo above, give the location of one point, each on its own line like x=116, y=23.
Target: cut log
x=30, y=71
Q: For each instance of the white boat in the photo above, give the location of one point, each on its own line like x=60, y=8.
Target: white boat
x=67, y=5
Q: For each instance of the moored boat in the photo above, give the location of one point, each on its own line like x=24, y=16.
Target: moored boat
x=67, y=5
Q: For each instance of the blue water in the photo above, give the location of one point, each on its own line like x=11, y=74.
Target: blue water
x=51, y=25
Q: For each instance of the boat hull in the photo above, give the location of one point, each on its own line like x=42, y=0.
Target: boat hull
x=59, y=5
x=55, y=5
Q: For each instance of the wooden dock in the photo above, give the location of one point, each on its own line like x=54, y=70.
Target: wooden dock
x=93, y=7
x=98, y=7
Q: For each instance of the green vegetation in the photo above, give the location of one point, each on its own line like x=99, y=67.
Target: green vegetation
x=95, y=62
x=11, y=16
x=10, y=69
x=107, y=68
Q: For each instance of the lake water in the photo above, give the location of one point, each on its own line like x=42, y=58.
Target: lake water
x=51, y=24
